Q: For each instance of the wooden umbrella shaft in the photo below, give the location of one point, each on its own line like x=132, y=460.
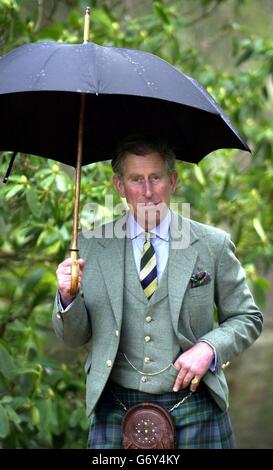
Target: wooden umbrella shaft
x=74, y=284
x=74, y=245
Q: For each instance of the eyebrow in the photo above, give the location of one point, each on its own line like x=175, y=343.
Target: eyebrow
x=139, y=175
x=134, y=175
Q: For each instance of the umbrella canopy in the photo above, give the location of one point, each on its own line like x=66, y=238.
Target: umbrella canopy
x=127, y=91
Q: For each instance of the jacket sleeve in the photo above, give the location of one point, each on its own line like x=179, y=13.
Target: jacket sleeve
x=73, y=326
x=239, y=319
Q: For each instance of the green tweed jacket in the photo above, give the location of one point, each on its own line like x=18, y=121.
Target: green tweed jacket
x=96, y=313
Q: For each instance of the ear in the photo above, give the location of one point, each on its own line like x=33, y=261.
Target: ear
x=118, y=183
x=173, y=180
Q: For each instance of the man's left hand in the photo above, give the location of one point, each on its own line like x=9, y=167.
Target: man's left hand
x=193, y=364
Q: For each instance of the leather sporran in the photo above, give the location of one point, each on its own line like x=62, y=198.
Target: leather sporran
x=148, y=426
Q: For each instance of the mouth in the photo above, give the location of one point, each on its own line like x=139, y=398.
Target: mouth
x=149, y=204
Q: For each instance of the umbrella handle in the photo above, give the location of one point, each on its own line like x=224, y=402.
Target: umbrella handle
x=75, y=270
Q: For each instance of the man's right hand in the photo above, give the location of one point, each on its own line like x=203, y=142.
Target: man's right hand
x=64, y=279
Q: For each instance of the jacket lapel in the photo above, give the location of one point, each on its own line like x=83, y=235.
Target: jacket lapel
x=182, y=258
x=111, y=262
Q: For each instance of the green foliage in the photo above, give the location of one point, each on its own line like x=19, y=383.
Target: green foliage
x=38, y=394
x=41, y=387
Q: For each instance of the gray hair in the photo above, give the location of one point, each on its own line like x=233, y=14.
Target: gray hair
x=142, y=145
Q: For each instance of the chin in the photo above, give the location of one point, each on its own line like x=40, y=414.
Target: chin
x=150, y=216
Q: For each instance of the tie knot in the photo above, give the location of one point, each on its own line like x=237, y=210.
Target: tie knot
x=147, y=236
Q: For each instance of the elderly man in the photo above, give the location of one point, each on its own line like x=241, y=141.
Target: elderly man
x=147, y=304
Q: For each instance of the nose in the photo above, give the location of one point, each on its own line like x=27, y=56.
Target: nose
x=147, y=188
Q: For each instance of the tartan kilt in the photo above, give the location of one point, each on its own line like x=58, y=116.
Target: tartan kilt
x=200, y=423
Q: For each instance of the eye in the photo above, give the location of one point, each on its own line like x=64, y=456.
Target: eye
x=137, y=179
x=155, y=178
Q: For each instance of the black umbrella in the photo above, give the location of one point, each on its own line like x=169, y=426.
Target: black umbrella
x=45, y=88
x=126, y=91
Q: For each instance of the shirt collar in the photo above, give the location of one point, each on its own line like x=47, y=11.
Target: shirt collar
x=162, y=230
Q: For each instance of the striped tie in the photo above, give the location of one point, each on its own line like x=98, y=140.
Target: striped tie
x=148, y=271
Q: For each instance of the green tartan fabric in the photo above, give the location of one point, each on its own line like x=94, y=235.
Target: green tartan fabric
x=200, y=424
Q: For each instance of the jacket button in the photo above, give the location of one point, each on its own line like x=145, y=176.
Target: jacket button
x=144, y=379
x=148, y=319
x=59, y=316
x=147, y=360
x=147, y=339
x=109, y=363
x=116, y=333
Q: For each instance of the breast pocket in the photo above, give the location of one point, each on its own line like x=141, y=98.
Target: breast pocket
x=200, y=291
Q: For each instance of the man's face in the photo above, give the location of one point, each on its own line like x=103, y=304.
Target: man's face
x=147, y=187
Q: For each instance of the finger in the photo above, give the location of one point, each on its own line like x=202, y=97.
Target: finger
x=64, y=270
x=177, y=364
x=194, y=383
x=65, y=266
x=187, y=380
x=81, y=263
x=66, y=277
x=66, y=262
x=179, y=380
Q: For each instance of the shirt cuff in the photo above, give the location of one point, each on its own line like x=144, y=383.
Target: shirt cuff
x=60, y=306
x=213, y=365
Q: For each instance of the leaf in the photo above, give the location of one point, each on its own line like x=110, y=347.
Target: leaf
x=14, y=190
x=159, y=9
x=62, y=182
x=42, y=173
x=48, y=181
x=263, y=283
x=6, y=362
x=6, y=399
x=244, y=56
x=33, y=202
x=52, y=32
x=48, y=236
x=259, y=229
x=19, y=402
x=4, y=423
x=35, y=416
x=25, y=370
x=101, y=17
x=14, y=417
x=45, y=412
x=74, y=19
x=15, y=179
x=259, y=295
x=199, y=175
x=75, y=418
x=54, y=248
x=18, y=326
x=34, y=278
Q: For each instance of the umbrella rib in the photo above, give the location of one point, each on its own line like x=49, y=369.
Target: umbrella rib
x=136, y=63
x=44, y=65
x=5, y=179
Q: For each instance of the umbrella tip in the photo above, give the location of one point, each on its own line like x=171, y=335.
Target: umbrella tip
x=86, y=25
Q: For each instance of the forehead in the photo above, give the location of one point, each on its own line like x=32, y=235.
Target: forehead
x=150, y=162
